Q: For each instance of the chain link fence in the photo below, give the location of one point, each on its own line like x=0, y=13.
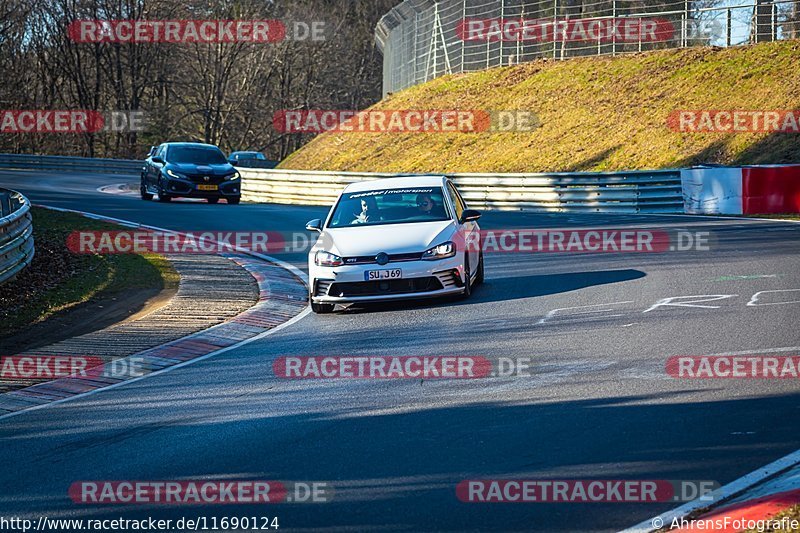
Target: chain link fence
x=423, y=39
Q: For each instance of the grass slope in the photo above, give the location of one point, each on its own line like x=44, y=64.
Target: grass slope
x=596, y=114
x=58, y=280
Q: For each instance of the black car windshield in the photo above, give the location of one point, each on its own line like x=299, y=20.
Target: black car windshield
x=390, y=206
x=249, y=155
x=196, y=155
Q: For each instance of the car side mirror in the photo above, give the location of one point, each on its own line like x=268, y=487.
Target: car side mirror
x=314, y=225
x=157, y=159
x=470, y=215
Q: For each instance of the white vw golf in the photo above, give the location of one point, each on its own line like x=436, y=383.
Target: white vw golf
x=394, y=238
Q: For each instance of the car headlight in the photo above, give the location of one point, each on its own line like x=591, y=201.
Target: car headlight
x=327, y=259
x=232, y=177
x=441, y=251
x=172, y=174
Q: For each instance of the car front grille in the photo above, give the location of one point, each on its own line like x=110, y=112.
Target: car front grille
x=384, y=287
x=200, y=178
x=370, y=259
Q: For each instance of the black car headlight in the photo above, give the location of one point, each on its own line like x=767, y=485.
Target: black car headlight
x=440, y=251
x=232, y=177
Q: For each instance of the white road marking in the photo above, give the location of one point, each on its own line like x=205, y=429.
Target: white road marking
x=754, y=298
x=670, y=302
x=550, y=314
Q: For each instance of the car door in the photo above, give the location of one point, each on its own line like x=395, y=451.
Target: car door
x=154, y=169
x=470, y=230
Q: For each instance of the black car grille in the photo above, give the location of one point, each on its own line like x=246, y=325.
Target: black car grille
x=379, y=288
x=322, y=287
x=370, y=259
x=200, y=178
x=449, y=278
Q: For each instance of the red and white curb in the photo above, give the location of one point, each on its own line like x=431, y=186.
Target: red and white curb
x=758, y=495
x=283, y=300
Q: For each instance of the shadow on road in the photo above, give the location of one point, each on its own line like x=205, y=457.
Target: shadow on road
x=514, y=288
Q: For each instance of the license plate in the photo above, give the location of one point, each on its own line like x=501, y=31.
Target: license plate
x=373, y=275
x=207, y=187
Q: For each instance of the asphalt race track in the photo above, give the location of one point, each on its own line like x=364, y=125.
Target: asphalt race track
x=597, y=404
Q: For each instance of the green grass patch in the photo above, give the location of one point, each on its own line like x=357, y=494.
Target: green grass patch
x=58, y=279
x=596, y=114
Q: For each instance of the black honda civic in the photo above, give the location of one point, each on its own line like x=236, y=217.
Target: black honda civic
x=192, y=170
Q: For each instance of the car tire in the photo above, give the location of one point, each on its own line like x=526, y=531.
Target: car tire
x=320, y=309
x=143, y=192
x=162, y=196
x=479, y=274
x=235, y=200
x=212, y=200
x=467, y=275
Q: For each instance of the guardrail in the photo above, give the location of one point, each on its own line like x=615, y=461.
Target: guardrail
x=16, y=234
x=655, y=191
x=619, y=192
x=70, y=164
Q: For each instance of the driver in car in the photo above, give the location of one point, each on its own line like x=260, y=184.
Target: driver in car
x=425, y=204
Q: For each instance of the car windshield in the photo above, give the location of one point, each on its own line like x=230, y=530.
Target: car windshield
x=390, y=206
x=249, y=155
x=196, y=155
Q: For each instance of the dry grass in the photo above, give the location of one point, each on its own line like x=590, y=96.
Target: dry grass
x=596, y=114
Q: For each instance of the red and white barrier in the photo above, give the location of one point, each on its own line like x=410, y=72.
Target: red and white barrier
x=745, y=190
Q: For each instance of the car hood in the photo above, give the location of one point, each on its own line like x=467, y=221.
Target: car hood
x=210, y=170
x=389, y=238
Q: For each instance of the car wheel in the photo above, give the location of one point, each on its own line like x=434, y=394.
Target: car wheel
x=235, y=200
x=212, y=200
x=479, y=273
x=320, y=308
x=143, y=191
x=467, y=275
x=162, y=196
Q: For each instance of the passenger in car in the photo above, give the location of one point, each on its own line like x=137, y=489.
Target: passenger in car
x=369, y=211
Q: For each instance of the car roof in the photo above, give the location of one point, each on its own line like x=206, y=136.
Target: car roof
x=400, y=182
x=203, y=145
